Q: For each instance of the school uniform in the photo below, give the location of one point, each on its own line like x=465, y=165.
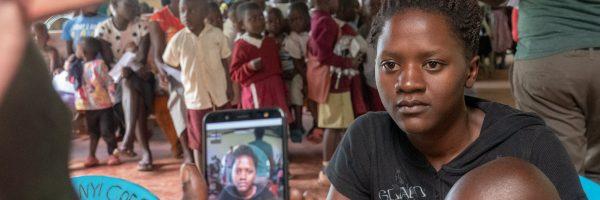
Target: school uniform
x=264, y=88
x=294, y=46
x=330, y=91
x=202, y=74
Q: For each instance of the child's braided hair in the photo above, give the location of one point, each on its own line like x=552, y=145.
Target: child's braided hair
x=464, y=17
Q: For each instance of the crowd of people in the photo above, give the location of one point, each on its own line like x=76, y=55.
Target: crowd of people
x=195, y=57
x=190, y=58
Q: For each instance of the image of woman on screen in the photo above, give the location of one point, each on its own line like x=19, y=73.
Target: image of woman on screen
x=243, y=174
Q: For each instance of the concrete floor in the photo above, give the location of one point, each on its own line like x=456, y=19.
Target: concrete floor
x=305, y=158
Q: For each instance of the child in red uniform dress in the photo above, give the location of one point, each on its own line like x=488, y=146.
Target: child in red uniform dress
x=334, y=110
x=255, y=63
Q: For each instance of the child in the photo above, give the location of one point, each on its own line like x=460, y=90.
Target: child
x=274, y=25
x=275, y=29
x=491, y=181
x=83, y=25
x=294, y=68
x=123, y=33
x=164, y=24
x=51, y=55
x=256, y=65
x=432, y=134
x=370, y=8
x=350, y=44
x=200, y=51
x=331, y=93
x=231, y=27
x=214, y=18
x=93, y=95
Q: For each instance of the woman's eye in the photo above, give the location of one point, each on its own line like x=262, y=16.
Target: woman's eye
x=389, y=66
x=432, y=65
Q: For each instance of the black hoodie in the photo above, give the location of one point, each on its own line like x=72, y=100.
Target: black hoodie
x=231, y=193
x=375, y=160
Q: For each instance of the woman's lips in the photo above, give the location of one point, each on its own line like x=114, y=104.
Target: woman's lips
x=412, y=107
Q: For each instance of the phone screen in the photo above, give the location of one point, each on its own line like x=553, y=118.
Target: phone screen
x=245, y=154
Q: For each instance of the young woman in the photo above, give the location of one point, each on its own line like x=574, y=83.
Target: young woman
x=431, y=134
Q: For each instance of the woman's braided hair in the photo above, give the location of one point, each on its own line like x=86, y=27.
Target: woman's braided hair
x=464, y=16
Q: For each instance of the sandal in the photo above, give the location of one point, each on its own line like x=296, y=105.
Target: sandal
x=113, y=160
x=91, y=162
x=124, y=152
x=315, y=135
x=145, y=167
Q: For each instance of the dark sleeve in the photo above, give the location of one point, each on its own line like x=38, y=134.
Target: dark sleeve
x=325, y=37
x=349, y=169
x=550, y=157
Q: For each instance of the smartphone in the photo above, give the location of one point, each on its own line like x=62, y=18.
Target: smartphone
x=245, y=154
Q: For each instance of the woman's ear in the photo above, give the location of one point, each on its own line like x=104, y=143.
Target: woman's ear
x=472, y=71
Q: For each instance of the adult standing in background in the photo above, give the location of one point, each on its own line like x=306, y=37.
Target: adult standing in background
x=556, y=73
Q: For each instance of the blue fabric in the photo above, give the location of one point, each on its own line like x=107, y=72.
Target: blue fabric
x=104, y=187
x=591, y=188
x=81, y=26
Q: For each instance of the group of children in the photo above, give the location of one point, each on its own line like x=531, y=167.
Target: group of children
x=432, y=142
x=258, y=57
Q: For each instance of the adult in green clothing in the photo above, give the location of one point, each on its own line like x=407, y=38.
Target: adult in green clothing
x=556, y=73
x=34, y=123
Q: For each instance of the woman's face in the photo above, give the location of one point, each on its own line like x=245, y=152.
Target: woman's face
x=244, y=173
x=422, y=70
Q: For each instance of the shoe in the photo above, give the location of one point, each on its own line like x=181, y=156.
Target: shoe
x=124, y=152
x=91, y=162
x=296, y=135
x=145, y=167
x=113, y=160
x=315, y=135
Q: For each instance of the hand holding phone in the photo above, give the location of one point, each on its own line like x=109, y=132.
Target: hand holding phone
x=245, y=154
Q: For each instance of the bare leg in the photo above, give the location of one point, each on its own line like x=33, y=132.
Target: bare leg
x=332, y=139
x=142, y=135
x=130, y=110
x=187, y=152
x=198, y=158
